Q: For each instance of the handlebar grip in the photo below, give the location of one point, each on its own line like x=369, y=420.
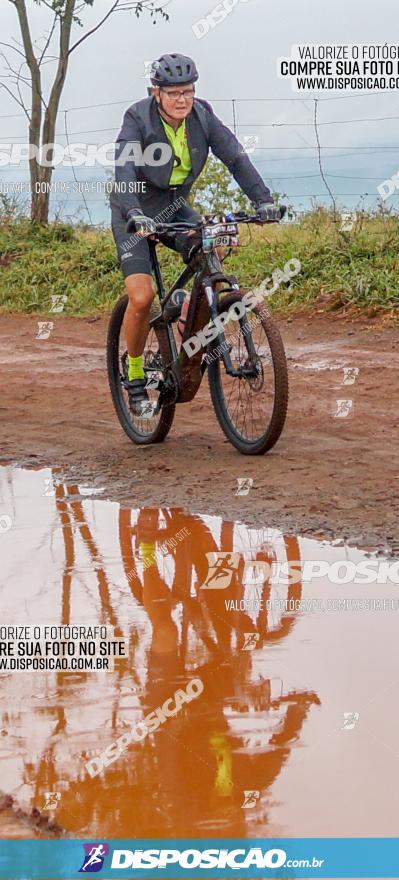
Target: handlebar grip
x=141, y=223
x=130, y=226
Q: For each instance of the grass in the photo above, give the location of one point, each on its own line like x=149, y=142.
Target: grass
x=358, y=268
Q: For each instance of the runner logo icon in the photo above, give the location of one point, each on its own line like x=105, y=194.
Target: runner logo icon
x=94, y=857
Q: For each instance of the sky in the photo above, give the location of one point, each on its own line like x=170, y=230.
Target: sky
x=236, y=59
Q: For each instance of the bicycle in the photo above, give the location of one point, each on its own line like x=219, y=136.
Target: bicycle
x=220, y=336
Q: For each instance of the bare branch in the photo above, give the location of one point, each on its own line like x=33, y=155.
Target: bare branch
x=3, y=86
x=92, y=31
x=34, y=54
x=17, y=84
x=118, y=5
x=139, y=5
x=36, y=85
x=14, y=78
x=14, y=74
x=47, y=43
x=50, y=60
x=10, y=46
x=52, y=109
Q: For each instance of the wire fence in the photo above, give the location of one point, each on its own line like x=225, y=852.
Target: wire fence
x=315, y=152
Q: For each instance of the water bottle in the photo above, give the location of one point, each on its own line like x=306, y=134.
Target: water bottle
x=174, y=305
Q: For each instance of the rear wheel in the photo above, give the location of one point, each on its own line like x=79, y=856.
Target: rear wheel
x=251, y=407
x=141, y=431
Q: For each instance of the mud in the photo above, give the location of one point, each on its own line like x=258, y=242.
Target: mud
x=328, y=475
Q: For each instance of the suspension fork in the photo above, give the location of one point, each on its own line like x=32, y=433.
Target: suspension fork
x=213, y=298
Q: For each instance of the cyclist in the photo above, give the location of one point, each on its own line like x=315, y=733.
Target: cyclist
x=176, y=130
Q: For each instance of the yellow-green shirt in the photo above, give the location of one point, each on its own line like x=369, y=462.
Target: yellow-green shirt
x=178, y=142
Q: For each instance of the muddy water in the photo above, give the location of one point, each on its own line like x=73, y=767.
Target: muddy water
x=273, y=717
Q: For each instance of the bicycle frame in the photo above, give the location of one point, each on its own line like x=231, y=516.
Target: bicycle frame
x=206, y=267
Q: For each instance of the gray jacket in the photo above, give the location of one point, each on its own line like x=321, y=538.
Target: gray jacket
x=142, y=125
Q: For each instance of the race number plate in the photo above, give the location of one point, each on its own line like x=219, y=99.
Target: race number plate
x=220, y=235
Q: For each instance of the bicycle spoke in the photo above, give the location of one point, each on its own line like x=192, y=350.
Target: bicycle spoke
x=148, y=425
x=249, y=399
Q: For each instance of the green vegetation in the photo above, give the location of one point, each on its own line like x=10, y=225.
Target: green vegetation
x=360, y=267
x=57, y=259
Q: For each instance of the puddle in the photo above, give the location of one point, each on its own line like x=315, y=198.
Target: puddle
x=73, y=359
x=296, y=730
x=321, y=356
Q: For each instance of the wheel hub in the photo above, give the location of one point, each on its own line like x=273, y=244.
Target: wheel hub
x=256, y=381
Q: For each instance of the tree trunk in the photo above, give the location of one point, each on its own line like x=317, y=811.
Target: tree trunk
x=36, y=97
x=41, y=200
x=40, y=175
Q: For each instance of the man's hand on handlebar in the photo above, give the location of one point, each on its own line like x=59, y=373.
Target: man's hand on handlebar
x=138, y=223
x=268, y=212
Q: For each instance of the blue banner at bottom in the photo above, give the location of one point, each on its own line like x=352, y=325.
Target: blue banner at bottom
x=266, y=857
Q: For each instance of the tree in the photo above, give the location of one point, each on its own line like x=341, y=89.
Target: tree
x=215, y=191
x=42, y=114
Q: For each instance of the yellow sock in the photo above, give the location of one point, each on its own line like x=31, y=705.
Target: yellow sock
x=147, y=553
x=136, y=369
x=223, y=784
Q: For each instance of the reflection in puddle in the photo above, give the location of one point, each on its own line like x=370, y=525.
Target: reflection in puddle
x=295, y=705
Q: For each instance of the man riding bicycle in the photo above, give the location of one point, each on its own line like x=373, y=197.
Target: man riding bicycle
x=173, y=124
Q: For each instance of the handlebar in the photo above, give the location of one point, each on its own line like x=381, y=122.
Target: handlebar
x=239, y=217
x=242, y=217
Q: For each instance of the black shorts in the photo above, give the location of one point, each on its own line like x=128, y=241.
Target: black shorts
x=134, y=253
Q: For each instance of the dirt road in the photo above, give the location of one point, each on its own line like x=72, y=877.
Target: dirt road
x=328, y=475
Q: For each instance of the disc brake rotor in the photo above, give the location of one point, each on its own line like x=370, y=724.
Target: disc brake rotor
x=255, y=382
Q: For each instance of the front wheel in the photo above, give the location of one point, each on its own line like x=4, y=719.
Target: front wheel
x=141, y=431
x=251, y=405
